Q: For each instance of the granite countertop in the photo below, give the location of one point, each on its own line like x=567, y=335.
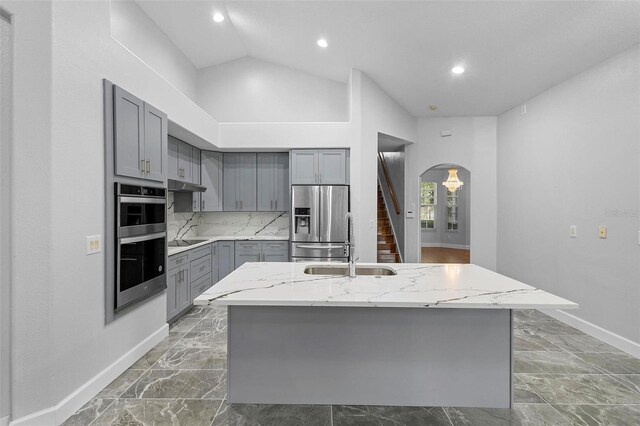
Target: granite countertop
x=208, y=240
x=416, y=285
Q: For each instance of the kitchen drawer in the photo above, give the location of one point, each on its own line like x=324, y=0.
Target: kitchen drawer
x=200, y=267
x=200, y=252
x=177, y=260
x=248, y=245
x=275, y=245
x=200, y=285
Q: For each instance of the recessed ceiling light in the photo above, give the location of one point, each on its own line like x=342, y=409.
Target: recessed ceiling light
x=218, y=17
x=457, y=69
x=433, y=107
x=323, y=43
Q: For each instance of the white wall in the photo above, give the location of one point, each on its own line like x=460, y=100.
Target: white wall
x=251, y=90
x=6, y=93
x=139, y=34
x=372, y=112
x=59, y=340
x=574, y=159
x=441, y=236
x=472, y=146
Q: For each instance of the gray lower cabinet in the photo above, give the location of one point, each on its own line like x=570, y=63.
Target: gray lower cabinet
x=319, y=167
x=178, y=290
x=140, y=137
x=239, y=183
x=214, y=263
x=273, y=181
x=248, y=251
x=261, y=251
x=211, y=178
x=226, y=258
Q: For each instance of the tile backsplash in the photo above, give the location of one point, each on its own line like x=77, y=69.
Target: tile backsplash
x=189, y=225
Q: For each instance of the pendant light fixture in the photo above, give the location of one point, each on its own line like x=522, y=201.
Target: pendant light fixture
x=453, y=183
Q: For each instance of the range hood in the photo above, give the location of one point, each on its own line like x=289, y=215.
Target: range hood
x=179, y=186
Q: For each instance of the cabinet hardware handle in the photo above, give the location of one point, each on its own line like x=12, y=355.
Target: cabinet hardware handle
x=241, y=204
x=271, y=205
x=236, y=204
x=202, y=204
x=195, y=204
x=276, y=204
x=148, y=166
x=142, y=165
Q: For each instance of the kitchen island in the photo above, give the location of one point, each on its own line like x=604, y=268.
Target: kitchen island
x=430, y=335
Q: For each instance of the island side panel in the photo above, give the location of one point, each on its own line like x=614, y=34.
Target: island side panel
x=370, y=356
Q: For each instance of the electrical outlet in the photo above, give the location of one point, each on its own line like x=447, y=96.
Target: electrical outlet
x=94, y=244
x=573, y=231
x=602, y=231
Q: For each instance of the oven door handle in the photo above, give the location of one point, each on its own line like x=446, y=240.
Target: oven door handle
x=142, y=238
x=317, y=247
x=142, y=200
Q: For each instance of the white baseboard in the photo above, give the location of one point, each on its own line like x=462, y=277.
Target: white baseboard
x=444, y=245
x=615, y=340
x=76, y=399
x=4, y=421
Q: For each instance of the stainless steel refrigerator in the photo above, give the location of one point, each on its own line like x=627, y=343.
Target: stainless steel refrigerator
x=318, y=229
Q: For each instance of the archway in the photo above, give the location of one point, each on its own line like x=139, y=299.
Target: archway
x=445, y=216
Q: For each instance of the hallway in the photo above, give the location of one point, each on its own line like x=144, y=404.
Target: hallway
x=444, y=255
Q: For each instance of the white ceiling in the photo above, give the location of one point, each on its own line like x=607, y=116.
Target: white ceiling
x=512, y=50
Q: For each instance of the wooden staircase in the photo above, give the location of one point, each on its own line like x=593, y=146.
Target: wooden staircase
x=387, y=250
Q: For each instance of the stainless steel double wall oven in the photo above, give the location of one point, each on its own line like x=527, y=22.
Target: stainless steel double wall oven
x=141, y=242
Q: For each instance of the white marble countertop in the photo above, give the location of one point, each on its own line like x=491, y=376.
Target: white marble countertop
x=208, y=240
x=416, y=285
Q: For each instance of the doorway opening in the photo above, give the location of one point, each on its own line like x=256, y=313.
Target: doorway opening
x=445, y=215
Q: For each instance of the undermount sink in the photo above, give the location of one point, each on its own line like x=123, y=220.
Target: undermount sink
x=344, y=270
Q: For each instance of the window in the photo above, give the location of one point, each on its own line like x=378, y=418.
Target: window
x=428, y=205
x=452, y=210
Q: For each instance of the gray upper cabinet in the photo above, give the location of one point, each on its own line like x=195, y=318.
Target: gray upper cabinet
x=140, y=133
x=211, y=174
x=155, y=143
x=181, y=160
x=273, y=182
x=319, y=167
x=304, y=167
x=332, y=167
x=196, y=178
x=239, y=183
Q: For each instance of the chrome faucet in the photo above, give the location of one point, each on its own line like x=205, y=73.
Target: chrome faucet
x=349, y=244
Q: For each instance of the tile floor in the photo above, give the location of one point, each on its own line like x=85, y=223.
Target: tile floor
x=563, y=377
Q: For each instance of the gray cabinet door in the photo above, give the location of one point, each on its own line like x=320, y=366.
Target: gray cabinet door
x=172, y=164
x=273, y=181
x=304, y=167
x=226, y=258
x=211, y=173
x=275, y=256
x=155, y=143
x=195, y=167
x=183, y=293
x=247, y=182
x=185, y=162
x=332, y=167
x=230, y=167
x=281, y=186
x=244, y=255
x=266, y=181
x=128, y=132
x=214, y=263
x=172, y=284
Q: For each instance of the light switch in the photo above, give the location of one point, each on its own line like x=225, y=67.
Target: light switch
x=602, y=231
x=372, y=223
x=94, y=244
x=573, y=231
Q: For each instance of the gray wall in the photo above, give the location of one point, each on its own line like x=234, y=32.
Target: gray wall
x=573, y=159
x=441, y=237
x=395, y=167
x=6, y=63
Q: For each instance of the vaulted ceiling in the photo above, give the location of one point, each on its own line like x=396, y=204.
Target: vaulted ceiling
x=512, y=50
